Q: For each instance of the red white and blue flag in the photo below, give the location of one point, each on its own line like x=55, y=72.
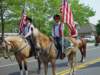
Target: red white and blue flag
x=22, y=21
x=67, y=17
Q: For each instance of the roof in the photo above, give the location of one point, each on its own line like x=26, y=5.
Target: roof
x=87, y=28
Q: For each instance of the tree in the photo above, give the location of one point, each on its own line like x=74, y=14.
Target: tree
x=41, y=11
x=81, y=12
x=98, y=28
x=2, y=10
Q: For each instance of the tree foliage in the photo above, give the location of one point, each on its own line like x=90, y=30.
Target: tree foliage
x=81, y=12
x=98, y=28
x=41, y=11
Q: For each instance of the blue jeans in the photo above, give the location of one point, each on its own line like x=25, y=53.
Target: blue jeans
x=58, y=46
x=31, y=42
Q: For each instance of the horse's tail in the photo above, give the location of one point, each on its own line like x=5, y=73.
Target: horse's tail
x=84, y=43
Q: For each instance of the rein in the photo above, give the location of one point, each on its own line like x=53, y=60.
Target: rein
x=18, y=50
x=7, y=51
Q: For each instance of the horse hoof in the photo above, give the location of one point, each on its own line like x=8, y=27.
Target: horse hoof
x=62, y=56
x=26, y=72
x=82, y=61
x=21, y=72
x=66, y=64
x=38, y=72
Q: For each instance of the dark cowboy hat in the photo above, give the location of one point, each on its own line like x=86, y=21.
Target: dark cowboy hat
x=56, y=16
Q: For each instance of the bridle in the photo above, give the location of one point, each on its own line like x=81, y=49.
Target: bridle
x=7, y=50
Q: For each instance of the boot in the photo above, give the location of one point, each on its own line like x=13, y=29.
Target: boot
x=62, y=56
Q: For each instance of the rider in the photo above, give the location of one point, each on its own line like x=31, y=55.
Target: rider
x=73, y=36
x=57, y=33
x=27, y=33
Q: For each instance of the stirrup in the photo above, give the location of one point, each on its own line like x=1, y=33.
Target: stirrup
x=62, y=56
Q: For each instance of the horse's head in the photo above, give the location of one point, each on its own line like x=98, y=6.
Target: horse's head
x=5, y=46
x=97, y=40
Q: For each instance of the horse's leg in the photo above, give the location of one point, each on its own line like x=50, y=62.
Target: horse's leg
x=21, y=68
x=19, y=63
x=39, y=66
x=53, y=66
x=25, y=67
x=72, y=69
x=84, y=49
x=82, y=54
x=45, y=67
x=72, y=61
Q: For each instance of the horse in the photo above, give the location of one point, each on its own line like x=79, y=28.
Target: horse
x=47, y=52
x=82, y=47
x=81, y=44
x=97, y=40
x=20, y=48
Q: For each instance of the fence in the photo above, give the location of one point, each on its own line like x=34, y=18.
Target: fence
x=9, y=34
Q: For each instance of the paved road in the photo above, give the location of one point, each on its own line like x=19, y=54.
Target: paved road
x=90, y=67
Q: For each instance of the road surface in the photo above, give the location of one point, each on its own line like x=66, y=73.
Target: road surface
x=90, y=67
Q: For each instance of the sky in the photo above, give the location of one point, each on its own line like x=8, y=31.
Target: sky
x=95, y=5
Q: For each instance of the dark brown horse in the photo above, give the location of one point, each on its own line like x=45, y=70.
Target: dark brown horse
x=97, y=40
x=81, y=45
x=82, y=48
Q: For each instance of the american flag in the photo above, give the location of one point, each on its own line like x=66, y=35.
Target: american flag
x=22, y=21
x=67, y=17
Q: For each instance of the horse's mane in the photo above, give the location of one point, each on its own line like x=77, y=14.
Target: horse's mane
x=40, y=35
x=43, y=39
x=17, y=41
x=46, y=45
x=13, y=38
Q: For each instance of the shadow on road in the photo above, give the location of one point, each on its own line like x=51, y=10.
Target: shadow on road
x=94, y=65
x=14, y=73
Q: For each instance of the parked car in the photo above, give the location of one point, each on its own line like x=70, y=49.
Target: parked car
x=90, y=38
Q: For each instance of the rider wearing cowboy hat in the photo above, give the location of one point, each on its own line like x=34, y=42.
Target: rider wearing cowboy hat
x=57, y=33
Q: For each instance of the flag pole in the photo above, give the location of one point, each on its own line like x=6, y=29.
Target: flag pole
x=62, y=32
x=63, y=38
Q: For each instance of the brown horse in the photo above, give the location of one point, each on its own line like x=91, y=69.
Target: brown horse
x=97, y=40
x=82, y=47
x=48, y=52
x=21, y=49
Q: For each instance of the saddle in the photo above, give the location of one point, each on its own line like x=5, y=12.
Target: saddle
x=32, y=45
x=66, y=45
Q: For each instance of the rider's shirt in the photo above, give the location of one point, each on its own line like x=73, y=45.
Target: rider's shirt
x=57, y=30
x=74, y=33
x=28, y=29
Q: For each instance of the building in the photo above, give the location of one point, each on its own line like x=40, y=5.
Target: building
x=87, y=30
